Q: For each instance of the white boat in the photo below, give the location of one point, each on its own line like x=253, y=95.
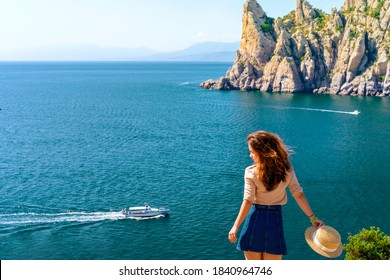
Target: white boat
x=145, y=211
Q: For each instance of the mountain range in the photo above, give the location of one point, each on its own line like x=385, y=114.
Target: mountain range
x=206, y=51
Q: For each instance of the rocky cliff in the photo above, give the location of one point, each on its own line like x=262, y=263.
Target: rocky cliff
x=345, y=52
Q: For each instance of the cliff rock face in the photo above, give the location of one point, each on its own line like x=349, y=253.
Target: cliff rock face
x=345, y=52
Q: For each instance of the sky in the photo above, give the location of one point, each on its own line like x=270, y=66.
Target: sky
x=162, y=25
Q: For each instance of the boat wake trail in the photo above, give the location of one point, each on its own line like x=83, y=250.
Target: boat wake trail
x=42, y=218
x=145, y=218
x=355, y=112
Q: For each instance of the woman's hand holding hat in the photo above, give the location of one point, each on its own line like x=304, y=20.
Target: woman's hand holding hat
x=318, y=223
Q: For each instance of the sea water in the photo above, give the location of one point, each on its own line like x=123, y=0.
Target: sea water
x=80, y=141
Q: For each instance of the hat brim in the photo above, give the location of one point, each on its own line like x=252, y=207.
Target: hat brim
x=309, y=239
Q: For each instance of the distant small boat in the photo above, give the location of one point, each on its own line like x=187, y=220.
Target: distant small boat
x=145, y=211
x=356, y=112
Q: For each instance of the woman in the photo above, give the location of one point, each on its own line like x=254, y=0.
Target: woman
x=262, y=236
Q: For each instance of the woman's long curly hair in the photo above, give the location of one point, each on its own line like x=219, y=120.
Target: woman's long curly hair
x=273, y=157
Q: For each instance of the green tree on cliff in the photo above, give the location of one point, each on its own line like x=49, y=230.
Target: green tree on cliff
x=369, y=244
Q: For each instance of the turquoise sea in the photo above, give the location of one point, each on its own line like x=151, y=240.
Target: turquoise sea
x=80, y=141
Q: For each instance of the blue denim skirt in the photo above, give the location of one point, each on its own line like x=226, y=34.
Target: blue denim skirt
x=263, y=231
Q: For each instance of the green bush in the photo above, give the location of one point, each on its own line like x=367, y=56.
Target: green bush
x=352, y=34
x=368, y=245
x=375, y=14
x=266, y=27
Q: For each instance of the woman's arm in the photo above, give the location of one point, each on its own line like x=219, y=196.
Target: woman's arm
x=304, y=205
x=245, y=207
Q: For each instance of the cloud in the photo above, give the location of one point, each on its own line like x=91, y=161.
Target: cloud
x=200, y=36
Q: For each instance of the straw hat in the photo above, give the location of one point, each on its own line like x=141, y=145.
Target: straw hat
x=325, y=240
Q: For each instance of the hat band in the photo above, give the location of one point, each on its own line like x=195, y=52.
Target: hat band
x=318, y=243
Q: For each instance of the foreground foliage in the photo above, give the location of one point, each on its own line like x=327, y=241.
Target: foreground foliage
x=369, y=244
